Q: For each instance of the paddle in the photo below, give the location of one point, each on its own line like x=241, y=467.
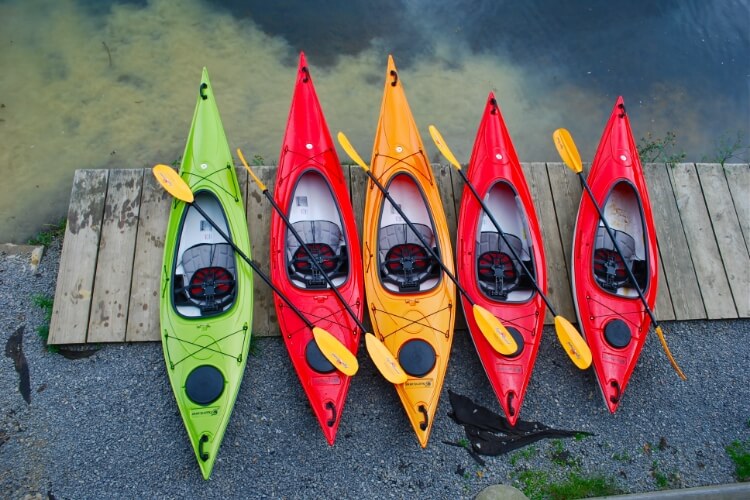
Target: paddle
x=496, y=334
x=171, y=181
x=569, y=338
x=382, y=358
x=569, y=154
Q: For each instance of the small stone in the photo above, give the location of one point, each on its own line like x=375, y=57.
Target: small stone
x=501, y=492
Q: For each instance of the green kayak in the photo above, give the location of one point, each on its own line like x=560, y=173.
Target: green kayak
x=206, y=307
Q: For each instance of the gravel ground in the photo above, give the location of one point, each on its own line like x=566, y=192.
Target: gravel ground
x=107, y=425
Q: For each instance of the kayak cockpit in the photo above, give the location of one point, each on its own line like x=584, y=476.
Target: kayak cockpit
x=204, y=277
x=405, y=265
x=625, y=216
x=315, y=216
x=499, y=273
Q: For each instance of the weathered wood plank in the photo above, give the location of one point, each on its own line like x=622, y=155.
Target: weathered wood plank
x=679, y=277
x=558, y=278
x=738, y=178
x=143, y=311
x=114, y=267
x=358, y=191
x=566, y=196
x=75, y=279
x=728, y=233
x=443, y=177
x=258, y=210
x=715, y=290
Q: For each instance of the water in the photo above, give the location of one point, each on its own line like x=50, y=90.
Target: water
x=107, y=84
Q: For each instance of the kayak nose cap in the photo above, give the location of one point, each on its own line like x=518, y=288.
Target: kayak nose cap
x=417, y=357
x=617, y=333
x=204, y=385
x=316, y=360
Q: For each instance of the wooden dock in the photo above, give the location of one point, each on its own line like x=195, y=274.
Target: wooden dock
x=108, y=283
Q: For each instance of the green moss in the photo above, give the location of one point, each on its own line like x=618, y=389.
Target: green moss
x=45, y=302
x=46, y=236
x=538, y=484
x=655, y=149
x=739, y=452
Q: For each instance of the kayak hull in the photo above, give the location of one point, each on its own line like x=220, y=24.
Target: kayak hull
x=206, y=300
x=312, y=190
x=411, y=303
x=612, y=317
x=487, y=269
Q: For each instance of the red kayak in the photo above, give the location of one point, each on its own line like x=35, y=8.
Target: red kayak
x=486, y=267
x=610, y=314
x=311, y=188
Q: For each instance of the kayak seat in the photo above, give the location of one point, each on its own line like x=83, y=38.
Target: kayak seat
x=326, y=243
x=498, y=271
x=209, y=280
x=404, y=261
x=609, y=266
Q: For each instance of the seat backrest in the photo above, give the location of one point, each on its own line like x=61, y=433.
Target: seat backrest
x=314, y=231
x=490, y=241
x=624, y=241
x=208, y=255
x=399, y=234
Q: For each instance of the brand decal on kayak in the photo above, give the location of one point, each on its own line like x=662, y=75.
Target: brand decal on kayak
x=205, y=412
x=618, y=360
x=419, y=383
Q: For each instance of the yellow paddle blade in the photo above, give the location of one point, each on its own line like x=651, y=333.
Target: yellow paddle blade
x=384, y=360
x=668, y=353
x=250, y=171
x=573, y=343
x=496, y=334
x=443, y=147
x=567, y=149
x=335, y=352
x=351, y=151
x=173, y=183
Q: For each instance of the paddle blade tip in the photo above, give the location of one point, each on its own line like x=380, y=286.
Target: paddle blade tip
x=335, y=352
x=567, y=149
x=496, y=334
x=573, y=343
x=384, y=361
x=171, y=181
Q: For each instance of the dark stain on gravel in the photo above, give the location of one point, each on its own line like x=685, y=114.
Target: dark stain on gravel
x=14, y=351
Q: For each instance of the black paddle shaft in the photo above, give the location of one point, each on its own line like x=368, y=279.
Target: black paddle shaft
x=313, y=259
x=495, y=223
x=419, y=236
x=617, y=249
x=252, y=265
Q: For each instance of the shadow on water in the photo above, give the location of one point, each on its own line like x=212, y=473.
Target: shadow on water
x=89, y=84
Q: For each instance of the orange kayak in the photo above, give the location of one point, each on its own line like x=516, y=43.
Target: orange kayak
x=411, y=302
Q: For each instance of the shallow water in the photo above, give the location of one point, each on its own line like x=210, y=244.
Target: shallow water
x=106, y=84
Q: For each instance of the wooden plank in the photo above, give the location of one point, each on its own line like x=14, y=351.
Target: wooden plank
x=358, y=191
x=75, y=279
x=566, y=196
x=558, y=277
x=143, y=311
x=258, y=210
x=738, y=178
x=678, y=278
x=444, y=178
x=728, y=233
x=715, y=290
x=114, y=266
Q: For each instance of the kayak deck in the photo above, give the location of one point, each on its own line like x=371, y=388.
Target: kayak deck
x=112, y=252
